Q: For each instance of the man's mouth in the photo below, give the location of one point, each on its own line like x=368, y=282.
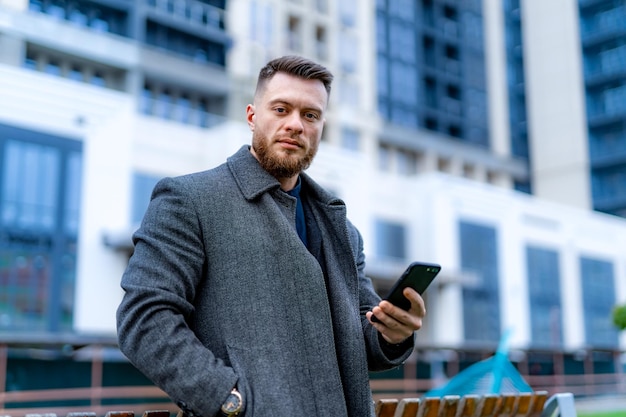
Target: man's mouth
x=289, y=143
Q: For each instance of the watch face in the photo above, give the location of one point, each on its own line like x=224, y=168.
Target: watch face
x=232, y=404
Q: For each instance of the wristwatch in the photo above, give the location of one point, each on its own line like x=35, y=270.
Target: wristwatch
x=233, y=404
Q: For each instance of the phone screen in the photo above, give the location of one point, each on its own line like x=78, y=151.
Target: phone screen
x=418, y=276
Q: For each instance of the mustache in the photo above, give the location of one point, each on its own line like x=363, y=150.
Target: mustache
x=293, y=140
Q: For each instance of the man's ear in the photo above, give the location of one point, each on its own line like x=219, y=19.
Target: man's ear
x=250, y=116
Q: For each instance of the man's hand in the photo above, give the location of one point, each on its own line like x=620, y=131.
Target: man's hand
x=396, y=324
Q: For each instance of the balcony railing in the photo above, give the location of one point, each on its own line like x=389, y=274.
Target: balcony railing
x=176, y=112
x=192, y=12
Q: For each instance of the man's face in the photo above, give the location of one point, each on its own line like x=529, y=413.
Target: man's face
x=286, y=120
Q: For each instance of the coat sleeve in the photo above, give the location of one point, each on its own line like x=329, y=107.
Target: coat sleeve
x=380, y=354
x=159, y=287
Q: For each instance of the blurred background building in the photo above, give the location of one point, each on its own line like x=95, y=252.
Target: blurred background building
x=488, y=136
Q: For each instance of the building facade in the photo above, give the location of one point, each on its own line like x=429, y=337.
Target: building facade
x=457, y=133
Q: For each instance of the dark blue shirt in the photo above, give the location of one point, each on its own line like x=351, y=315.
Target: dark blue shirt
x=300, y=222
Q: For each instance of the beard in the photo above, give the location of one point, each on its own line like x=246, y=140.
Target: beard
x=281, y=166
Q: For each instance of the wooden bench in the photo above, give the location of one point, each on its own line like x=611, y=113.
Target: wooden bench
x=536, y=404
x=149, y=413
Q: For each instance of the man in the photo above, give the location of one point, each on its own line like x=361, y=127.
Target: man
x=246, y=294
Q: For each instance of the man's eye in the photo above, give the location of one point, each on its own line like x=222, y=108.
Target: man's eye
x=311, y=116
x=280, y=109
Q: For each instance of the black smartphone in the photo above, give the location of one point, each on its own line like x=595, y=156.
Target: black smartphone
x=418, y=276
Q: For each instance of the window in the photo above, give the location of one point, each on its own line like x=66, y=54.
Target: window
x=429, y=51
x=348, y=52
x=613, y=60
x=321, y=6
x=544, y=292
x=30, y=61
x=402, y=9
x=350, y=139
x=30, y=186
x=199, y=49
x=321, y=43
x=384, y=158
x=261, y=16
x=98, y=79
x=75, y=73
x=428, y=13
x=294, y=37
x=450, y=21
x=349, y=92
x=402, y=42
x=84, y=14
x=382, y=77
x=163, y=105
x=146, y=101
x=455, y=131
x=403, y=84
x=53, y=68
x=390, y=239
x=607, y=140
x=182, y=109
x=608, y=183
x=481, y=303
x=430, y=92
x=403, y=115
x=615, y=100
x=381, y=33
x=73, y=181
x=77, y=17
x=143, y=185
x=598, y=282
x=407, y=162
x=40, y=183
x=347, y=12
x=72, y=68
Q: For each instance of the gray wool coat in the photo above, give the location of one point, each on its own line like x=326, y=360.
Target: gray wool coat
x=221, y=292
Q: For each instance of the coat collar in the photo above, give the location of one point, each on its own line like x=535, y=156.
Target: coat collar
x=253, y=180
x=250, y=177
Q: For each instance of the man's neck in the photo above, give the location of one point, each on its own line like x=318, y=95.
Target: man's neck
x=287, y=184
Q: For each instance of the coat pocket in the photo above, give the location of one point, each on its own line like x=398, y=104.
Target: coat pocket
x=271, y=381
x=237, y=362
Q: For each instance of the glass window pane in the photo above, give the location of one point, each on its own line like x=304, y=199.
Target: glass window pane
x=30, y=185
x=350, y=139
x=544, y=291
x=143, y=185
x=598, y=281
x=481, y=303
x=72, y=192
x=390, y=239
x=37, y=255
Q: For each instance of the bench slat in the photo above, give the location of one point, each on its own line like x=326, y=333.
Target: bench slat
x=386, y=407
x=408, y=407
x=449, y=406
x=524, y=402
x=508, y=405
x=539, y=399
x=468, y=406
x=489, y=405
x=430, y=407
x=82, y=414
x=120, y=414
x=156, y=413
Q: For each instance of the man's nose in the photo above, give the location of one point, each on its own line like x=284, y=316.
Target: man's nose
x=294, y=123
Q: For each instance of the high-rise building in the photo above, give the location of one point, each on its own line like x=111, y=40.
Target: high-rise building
x=66, y=67
x=442, y=111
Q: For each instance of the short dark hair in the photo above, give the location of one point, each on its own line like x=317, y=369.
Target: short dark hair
x=297, y=66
